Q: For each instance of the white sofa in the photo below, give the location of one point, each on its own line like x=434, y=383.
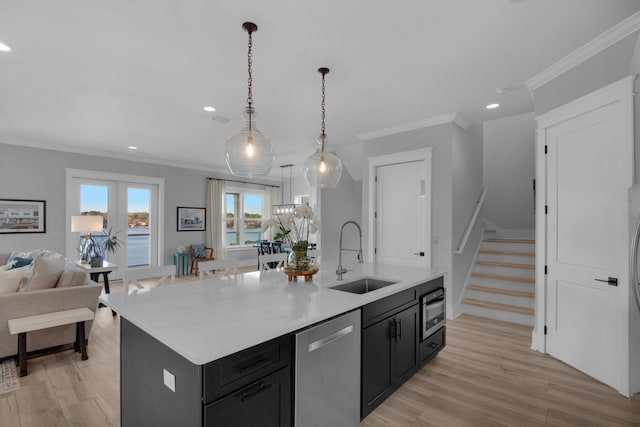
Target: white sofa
x=71, y=288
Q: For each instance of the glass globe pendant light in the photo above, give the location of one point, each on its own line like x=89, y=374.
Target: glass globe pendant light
x=248, y=153
x=323, y=169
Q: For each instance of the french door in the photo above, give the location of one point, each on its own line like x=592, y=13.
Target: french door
x=131, y=208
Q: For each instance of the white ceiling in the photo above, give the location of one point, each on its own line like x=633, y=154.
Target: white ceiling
x=97, y=76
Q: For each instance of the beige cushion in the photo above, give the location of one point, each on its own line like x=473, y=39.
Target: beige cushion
x=43, y=273
x=10, y=280
x=7, y=266
x=4, y=257
x=72, y=277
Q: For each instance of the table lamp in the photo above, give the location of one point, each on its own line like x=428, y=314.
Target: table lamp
x=86, y=224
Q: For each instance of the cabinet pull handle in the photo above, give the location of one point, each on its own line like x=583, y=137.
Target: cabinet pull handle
x=393, y=329
x=399, y=323
x=254, y=391
x=432, y=344
x=253, y=364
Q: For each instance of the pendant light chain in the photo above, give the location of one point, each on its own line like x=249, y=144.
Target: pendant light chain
x=250, y=79
x=323, y=107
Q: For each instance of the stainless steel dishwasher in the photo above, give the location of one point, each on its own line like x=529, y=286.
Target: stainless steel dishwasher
x=327, y=379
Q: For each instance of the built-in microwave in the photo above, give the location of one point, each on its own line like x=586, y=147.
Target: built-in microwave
x=433, y=312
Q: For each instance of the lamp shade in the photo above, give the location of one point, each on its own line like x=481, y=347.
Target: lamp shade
x=86, y=223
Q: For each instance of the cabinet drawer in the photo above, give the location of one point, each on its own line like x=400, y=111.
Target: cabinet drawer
x=265, y=402
x=223, y=376
x=376, y=311
x=432, y=345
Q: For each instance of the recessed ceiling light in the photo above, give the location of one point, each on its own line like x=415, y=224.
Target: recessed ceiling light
x=132, y=147
x=209, y=108
x=492, y=106
x=4, y=48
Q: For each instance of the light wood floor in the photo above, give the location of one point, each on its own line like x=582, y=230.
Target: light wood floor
x=486, y=376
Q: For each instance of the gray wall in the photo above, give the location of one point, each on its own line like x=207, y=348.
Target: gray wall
x=33, y=173
x=439, y=137
x=509, y=170
x=604, y=68
x=467, y=167
x=338, y=205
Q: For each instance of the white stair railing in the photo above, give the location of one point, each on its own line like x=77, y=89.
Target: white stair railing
x=472, y=222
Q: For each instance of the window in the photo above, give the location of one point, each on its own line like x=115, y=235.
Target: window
x=131, y=206
x=244, y=212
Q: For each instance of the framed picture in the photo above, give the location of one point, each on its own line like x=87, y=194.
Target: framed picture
x=192, y=219
x=22, y=216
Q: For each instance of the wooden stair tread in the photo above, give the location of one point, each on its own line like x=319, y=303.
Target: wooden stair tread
x=526, y=241
x=498, y=306
x=499, y=252
x=503, y=277
x=501, y=291
x=507, y=264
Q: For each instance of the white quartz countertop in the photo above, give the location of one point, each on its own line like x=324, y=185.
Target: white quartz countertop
x=206, y=320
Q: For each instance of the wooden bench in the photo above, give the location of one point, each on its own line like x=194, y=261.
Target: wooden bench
x=23, y=325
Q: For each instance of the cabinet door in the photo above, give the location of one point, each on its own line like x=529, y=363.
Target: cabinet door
x=265, y=402
x=377, y=379
x=406, y=351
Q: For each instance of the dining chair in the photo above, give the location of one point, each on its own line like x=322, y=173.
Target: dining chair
x=314, y=254
x=271, y=261
x=154, y=276
x=227, y=266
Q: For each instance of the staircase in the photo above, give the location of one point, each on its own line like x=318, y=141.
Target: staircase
x=502, y=281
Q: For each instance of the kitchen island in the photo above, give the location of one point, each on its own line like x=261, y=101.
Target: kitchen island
x=176, y=339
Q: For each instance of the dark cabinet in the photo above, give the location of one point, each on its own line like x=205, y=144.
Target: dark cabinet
x=250, y=388
x=265, y=403
x=390, y=356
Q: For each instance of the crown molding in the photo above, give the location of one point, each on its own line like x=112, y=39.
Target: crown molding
x=418, y=124
x=578, y=56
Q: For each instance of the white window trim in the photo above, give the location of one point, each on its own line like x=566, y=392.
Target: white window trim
x=70, y=209
x=242, y=191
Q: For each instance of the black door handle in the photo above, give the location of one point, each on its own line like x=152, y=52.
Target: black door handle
x=613, y=281
x=419, y=253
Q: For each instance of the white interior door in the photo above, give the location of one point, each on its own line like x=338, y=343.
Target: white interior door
x=401, y=214
x=589, y=169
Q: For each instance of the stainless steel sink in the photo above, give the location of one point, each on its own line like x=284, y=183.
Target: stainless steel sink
x=362, y=286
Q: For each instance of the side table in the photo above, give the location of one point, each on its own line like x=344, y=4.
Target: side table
x=95, y=272
x=181, y=260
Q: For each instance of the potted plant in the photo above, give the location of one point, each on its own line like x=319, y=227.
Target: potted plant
x=96, y=248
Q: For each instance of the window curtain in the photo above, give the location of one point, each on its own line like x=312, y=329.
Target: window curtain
x=216, y=229
x=272, y=197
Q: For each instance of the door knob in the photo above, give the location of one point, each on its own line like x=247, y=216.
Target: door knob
x=613, y=281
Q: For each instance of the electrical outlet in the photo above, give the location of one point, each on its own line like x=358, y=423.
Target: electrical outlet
x=169, y=380
x=436, y=240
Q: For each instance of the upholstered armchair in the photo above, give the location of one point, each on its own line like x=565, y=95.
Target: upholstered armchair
x=199, y=253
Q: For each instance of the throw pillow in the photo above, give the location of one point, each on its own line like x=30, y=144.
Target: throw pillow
x=198, y=250
x=72, y=277
x=43, y=273
x=10, y=280
x=20, y=262
x=8, y=266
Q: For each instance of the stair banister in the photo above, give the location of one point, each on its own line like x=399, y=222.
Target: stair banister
x=472, y=222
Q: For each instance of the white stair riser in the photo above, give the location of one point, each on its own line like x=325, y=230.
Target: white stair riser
x=500, y=298
x=502, y=284
x=519, y=247
x=518, y=259
x=506, y=316
x=505, y=271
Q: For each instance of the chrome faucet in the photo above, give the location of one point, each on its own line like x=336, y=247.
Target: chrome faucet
x=341, y=270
